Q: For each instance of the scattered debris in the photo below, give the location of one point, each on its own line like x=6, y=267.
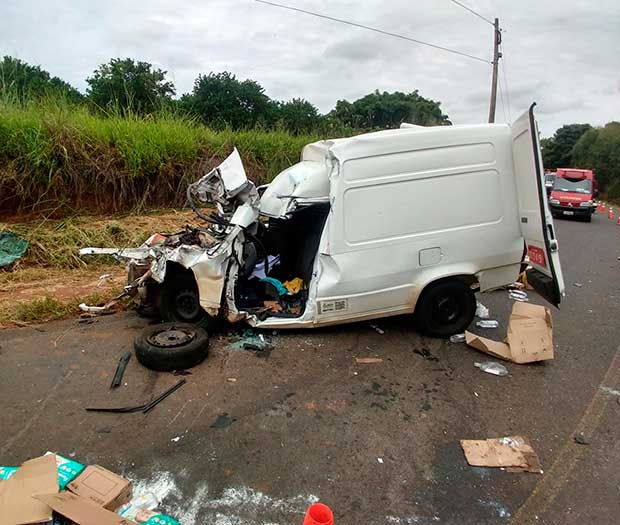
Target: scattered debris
x=12, y=248
x=368, y=360
x=376, y=328
x=487, y=323
x=425, y=353
x=380, y=460
x=513, y=452
x=457, y=338
x=93, y=495
x=101, y=487
x=294, y=285
x=231, y=379
x=141, y=408
x=529, y=337
x=580, y=439
x=222, y=421
x=103, y=279
x=176, y=439
x=35, y=476
x=491, y=367
x=518, y=295
x=482, y=311
x=120, y=370
x=577, y=285
x=181, y=373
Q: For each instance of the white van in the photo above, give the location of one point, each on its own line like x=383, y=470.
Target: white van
x=404, y=221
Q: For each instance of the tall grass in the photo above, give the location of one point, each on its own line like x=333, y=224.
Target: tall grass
x=58, y=156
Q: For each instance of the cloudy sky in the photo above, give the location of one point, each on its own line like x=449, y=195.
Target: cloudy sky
x=564, y=54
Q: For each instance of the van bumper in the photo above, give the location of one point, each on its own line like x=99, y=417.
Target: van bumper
x=574, y=211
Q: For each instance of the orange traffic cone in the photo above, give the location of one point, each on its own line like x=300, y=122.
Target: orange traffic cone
x=610, y=215
x=319, y=514
x=618, y=221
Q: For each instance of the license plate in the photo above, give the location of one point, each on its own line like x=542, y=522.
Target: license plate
x=569, y=213
x=536, y=255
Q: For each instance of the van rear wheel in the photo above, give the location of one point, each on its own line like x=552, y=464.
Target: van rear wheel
x=445, y=309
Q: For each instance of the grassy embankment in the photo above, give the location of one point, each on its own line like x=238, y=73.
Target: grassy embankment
x=62, y=167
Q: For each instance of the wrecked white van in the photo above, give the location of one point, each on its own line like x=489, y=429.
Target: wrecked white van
x=404, y=221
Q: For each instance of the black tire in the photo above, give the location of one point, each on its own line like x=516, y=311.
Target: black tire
x=445, y=308
x=179, y=301
x=171, y=346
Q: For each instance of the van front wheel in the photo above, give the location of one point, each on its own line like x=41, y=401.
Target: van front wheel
x=445, y=309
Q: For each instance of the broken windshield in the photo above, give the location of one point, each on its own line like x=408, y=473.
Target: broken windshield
x=569, y=186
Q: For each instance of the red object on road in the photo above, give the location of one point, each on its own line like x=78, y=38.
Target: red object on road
x=618, y=221
x=319, y=514
x=610, y=215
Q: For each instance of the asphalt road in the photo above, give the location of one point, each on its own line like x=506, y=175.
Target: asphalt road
x=260, y=438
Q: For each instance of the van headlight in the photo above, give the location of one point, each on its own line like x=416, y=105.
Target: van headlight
x=554, y=201
x=585, y=204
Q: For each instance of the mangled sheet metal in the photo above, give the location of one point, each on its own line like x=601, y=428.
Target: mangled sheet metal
x=207, y=252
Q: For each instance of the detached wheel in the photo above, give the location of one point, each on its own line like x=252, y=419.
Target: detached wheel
x=445, y=309
x=171, y=346
x=179, y=300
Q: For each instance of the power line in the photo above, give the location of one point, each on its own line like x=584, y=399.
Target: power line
x=362, y=26
x=472, y=11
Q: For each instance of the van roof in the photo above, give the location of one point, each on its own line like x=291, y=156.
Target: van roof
x=401, y=139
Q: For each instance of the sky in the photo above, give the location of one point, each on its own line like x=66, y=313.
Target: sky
x=563, y=54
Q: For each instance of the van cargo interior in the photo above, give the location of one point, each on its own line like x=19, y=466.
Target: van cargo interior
x=281, y=251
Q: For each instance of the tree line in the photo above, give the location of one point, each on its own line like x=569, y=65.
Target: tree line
x=217, y=99
x=587, y=147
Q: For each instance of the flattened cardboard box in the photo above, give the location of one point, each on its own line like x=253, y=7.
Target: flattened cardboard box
x=101, y=487
x=529, y=337
x=80, y=511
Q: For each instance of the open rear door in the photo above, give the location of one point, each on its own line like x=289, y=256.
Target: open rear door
x=534, y=215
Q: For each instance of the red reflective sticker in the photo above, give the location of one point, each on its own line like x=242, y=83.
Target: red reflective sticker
x=537, y=256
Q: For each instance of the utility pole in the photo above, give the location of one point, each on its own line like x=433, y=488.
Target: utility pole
x=497, y=40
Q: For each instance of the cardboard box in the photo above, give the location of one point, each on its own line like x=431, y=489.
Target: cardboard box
x=67, y=469
x=81, y=511
x=529, y=337
x=17, y=503
x=101, y=487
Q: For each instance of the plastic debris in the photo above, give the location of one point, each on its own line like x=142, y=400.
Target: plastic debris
x=368, y=360
x=580, y=439
x=176, y=439
x=482, y=311
x=376, y=328
x=12, y=248
x=577, y=285
x=492, y=367
x=518, y=295
x=380, y=460
x=457, y=338
x=487, y=323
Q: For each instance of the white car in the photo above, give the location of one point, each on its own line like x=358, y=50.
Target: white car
x=403, y=221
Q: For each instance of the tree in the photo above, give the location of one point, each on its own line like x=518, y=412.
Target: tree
x=599, y=149
x=26, y=82
x=129, y=86
x=389, y=110
x=297, y=116
x=557, y=150
x=219, y=99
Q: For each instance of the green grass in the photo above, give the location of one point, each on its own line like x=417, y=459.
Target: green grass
x=56, y=157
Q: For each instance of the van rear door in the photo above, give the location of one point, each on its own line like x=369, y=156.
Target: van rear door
x=534, y=215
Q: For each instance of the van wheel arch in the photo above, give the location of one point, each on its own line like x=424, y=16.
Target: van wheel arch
x=446, y=306
x=179, y=298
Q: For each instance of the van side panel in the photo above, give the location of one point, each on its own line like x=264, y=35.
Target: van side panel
x=449, y=194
